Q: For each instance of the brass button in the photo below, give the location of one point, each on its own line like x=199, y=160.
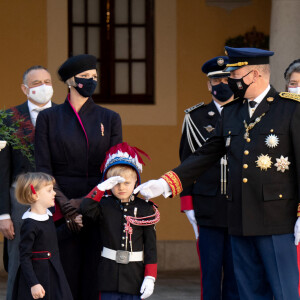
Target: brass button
x=248, y=140
x=245, y=166
x=48, y=254
x=272, y=130
x=229, y=132
x=280, y=196
x=227, y=197
x=122, y=245
x=123, y=237
x=125, y=209
x=245, y=180
x=246, y=152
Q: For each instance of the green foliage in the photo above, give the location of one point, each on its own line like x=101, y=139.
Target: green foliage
x=11, y=134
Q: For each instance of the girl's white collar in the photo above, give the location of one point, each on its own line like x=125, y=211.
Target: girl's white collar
x=37, y=217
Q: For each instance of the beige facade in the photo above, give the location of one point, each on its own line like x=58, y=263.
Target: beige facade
x=187, y=33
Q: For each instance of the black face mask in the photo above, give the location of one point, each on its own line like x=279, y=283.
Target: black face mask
x=85, y=87
x=221, y=92
x=238, y=86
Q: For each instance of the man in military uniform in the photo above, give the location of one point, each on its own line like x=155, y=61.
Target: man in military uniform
x=259, y=132
x=205, y=199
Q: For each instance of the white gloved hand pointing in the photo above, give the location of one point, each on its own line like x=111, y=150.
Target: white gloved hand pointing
x=154, y=188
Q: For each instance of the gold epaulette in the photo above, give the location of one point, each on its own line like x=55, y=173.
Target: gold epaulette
x=291, y=96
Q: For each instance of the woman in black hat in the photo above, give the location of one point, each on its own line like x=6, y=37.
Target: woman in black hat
x=70, y=144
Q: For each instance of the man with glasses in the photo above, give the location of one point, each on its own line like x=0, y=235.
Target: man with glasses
x=259, y=132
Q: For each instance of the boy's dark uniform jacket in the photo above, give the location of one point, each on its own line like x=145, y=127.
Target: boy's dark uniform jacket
x=259, y=202
x=12, y=162
x=110, y=214
x=209, y=205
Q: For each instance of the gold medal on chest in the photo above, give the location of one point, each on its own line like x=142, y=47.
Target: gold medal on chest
x=272, y=141
x=264, y=162
x=282, y=164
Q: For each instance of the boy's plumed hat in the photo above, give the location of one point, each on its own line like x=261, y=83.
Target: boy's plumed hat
x=123, y=154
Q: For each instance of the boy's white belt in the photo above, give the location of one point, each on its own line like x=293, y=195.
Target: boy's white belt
x=121, y=256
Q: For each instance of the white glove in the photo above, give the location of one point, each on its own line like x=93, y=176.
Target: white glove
x=147, y=287
x=109, y=183
x=154, y=188
x=297, y=231
x=191, y=216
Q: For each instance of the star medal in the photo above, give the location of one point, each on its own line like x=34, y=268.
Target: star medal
x=272, y=141
x=209, y=128
x=282, y=164
x=264, y=162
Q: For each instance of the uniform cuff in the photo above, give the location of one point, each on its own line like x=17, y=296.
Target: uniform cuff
x=174, y=182
x=151, y=270
x=95, y=194
x=186, y=203
x=5, y=217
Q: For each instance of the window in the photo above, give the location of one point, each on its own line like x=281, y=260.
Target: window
x=120, y=34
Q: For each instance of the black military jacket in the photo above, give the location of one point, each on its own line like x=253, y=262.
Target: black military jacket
x=69, y=153
x=209, y=205
x=110, y=215
x=260, y=201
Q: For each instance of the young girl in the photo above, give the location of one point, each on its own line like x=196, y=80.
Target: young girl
x=128, y=260
x=40, y=274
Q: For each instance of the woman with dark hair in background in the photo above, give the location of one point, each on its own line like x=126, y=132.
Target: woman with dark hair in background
x=70, y=143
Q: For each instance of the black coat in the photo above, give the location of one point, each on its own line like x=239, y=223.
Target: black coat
x=209, y=205
x=62, y=149
x=40, y=262
x=73, y=155
x=109, y=214
x=259, y=202
x=12, y=162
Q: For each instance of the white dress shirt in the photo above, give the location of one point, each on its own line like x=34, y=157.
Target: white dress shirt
x=34, y=110
x=258, y=99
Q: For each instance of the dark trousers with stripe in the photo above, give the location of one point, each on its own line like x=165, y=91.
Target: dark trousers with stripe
x=216, y=266
x=266, y=267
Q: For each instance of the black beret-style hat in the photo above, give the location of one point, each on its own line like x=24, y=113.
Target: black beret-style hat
x=76, y=64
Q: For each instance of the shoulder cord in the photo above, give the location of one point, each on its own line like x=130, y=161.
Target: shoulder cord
x=190, y=126
x=140, y=221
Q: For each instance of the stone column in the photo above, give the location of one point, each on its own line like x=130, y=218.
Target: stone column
x=284, y=38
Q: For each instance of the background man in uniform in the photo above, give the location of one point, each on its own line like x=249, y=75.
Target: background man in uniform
x=205, y=199
x=259, y=131
x=37, y=86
